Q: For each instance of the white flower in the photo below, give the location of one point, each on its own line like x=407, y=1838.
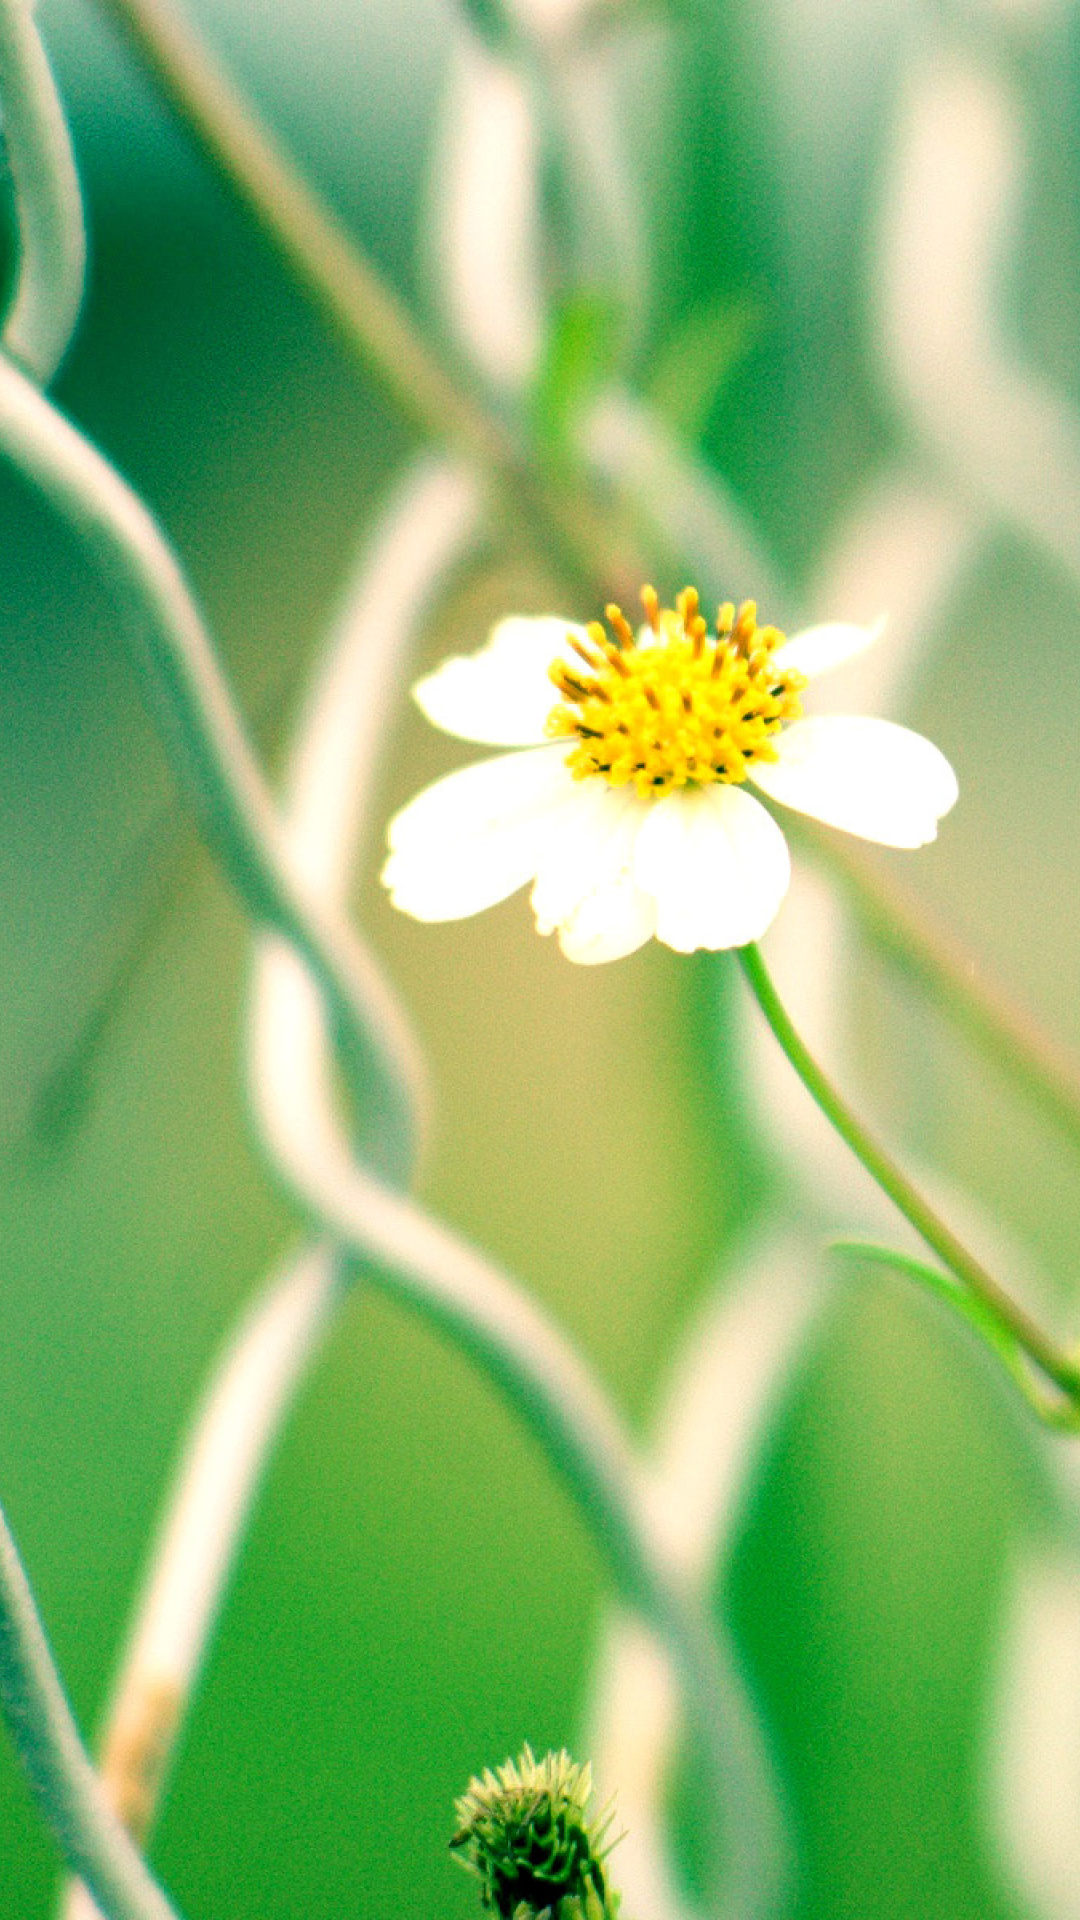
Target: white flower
x=629, y=808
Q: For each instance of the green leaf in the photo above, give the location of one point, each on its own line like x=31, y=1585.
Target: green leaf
x=493, y=24
x=698, y=358
x=1052, y=1407
x=580, y=350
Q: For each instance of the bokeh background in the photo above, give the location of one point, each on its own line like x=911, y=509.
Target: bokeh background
x=416, y=1596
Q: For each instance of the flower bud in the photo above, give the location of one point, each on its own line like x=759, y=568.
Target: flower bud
x=526, y=1833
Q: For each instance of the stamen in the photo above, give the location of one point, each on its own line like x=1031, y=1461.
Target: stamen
x=567, y=684
x=612, y=654
x=583, y=653
x=619, y=624
x=677, y=713
x=687, y=603
x=745, y=626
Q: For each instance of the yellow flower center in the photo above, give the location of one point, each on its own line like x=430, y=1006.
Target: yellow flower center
x=682, y=706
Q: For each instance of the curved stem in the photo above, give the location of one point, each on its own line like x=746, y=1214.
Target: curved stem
x=63, y=1780
x=44, y=306
x=366, y=314
x=1049, y=1405
x=1053, y=1361
x=362, y=308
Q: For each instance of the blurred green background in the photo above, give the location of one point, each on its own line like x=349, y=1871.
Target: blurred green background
x=379, y=1643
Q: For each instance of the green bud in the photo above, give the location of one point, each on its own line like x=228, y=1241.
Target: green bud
x=525, y=1831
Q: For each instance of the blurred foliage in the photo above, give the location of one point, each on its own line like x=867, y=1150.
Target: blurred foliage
x=572, y=372
x=379, y=1644
x=691, y=368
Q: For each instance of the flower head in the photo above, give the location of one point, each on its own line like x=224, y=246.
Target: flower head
x=525, y=1831
x=629, y=809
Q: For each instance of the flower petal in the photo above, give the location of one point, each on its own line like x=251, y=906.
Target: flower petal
x=870, y=777
x=473, y=838
x=610, y=922
x=819, y=649
x=590, y=847
x=716, y=864
x=501, y=695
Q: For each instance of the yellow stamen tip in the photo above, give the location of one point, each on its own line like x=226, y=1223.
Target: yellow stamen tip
x=678, y=713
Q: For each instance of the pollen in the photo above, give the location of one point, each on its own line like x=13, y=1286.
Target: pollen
x=678, y=704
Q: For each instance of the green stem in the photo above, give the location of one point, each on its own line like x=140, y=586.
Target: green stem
x=364, y=311
x=1054, y=1410
x=371, y=321
x=1057, y=1365
x=62, y=1778
x=44, y=306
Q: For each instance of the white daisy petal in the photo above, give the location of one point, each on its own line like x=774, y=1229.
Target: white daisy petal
x=502, y=695
x=473, y=838
x=870, y=777
x=609, y=923
x=704, y=867
x=716, y=864
x=820, y=649
x=590, y=847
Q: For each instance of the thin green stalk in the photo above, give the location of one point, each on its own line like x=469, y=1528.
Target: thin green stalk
x=62, y=1778
x=1053, y=1361
x=364, y=311
x=44, y=304
x=368, y=317
x=374, y=326
x=1048, y=1405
